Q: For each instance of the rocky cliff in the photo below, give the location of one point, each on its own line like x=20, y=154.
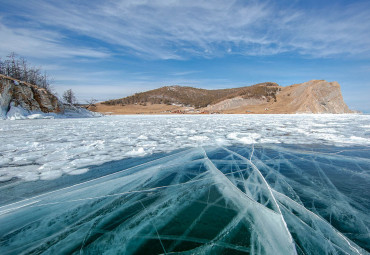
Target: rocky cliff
x=316, y=96
x=21, y=100
x=15, y=93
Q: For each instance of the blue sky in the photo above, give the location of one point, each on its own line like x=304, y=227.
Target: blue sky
x=111, y=49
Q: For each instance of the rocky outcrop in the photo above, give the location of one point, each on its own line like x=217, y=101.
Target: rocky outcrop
x=15, y=93
x=316, y=96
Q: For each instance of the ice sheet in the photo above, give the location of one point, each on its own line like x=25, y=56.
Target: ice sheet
x=245, y=199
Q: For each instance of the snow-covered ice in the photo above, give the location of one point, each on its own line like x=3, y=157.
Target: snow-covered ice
x=217, y=184
x=65, y=145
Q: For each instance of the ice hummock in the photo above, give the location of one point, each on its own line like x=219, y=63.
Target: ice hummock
x=269, y=199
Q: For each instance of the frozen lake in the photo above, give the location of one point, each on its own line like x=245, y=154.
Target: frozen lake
x=203, y=184
x=46, y=149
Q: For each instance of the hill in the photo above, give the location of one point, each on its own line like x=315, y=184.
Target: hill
x=197, y=98
x=316, y=96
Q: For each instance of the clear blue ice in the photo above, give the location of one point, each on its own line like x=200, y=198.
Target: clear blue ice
x=242, y=199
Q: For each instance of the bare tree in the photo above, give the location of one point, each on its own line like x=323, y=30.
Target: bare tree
x=91, y=103
x=69, y=97
x=18, y=68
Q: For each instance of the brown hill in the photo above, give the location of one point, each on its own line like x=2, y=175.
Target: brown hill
x=316, y=96
x=198, y=98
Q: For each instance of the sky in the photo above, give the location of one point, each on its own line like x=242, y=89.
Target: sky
x=112, y=49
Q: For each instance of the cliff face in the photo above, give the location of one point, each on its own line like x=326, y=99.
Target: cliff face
x=14, y=93
x=316, y=96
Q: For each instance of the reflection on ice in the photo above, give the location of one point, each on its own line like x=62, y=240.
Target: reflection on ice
x=205, y=200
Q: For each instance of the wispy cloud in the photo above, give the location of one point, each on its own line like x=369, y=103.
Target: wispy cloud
x=41, y=44
x=163, y=29
x=330, y=31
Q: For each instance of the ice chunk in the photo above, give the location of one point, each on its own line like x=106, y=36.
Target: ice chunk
x=246, y=138
x=17, y=113
x=136, y=152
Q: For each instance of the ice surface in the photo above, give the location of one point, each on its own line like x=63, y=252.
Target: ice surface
x=220, y=184
x=268, y=199
x=67, y=145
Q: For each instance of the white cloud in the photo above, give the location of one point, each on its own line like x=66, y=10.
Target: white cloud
x=330, y=31
x=163, y=29
x=159, y=29
x=41, y=44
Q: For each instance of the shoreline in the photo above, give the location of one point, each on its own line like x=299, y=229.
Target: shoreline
x=189, y=114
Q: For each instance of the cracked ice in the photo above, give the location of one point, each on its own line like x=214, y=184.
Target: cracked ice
x=214, y=195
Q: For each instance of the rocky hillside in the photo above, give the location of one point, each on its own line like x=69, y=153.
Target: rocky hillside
x=14, y=93
x=20, y=99
x=316, y=96
x=198, y=98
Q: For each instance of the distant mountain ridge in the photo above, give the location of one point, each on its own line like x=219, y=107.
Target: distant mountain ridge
x=315, y=96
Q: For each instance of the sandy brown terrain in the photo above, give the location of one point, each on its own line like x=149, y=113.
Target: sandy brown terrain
x=138, y=109
x=316, y=96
